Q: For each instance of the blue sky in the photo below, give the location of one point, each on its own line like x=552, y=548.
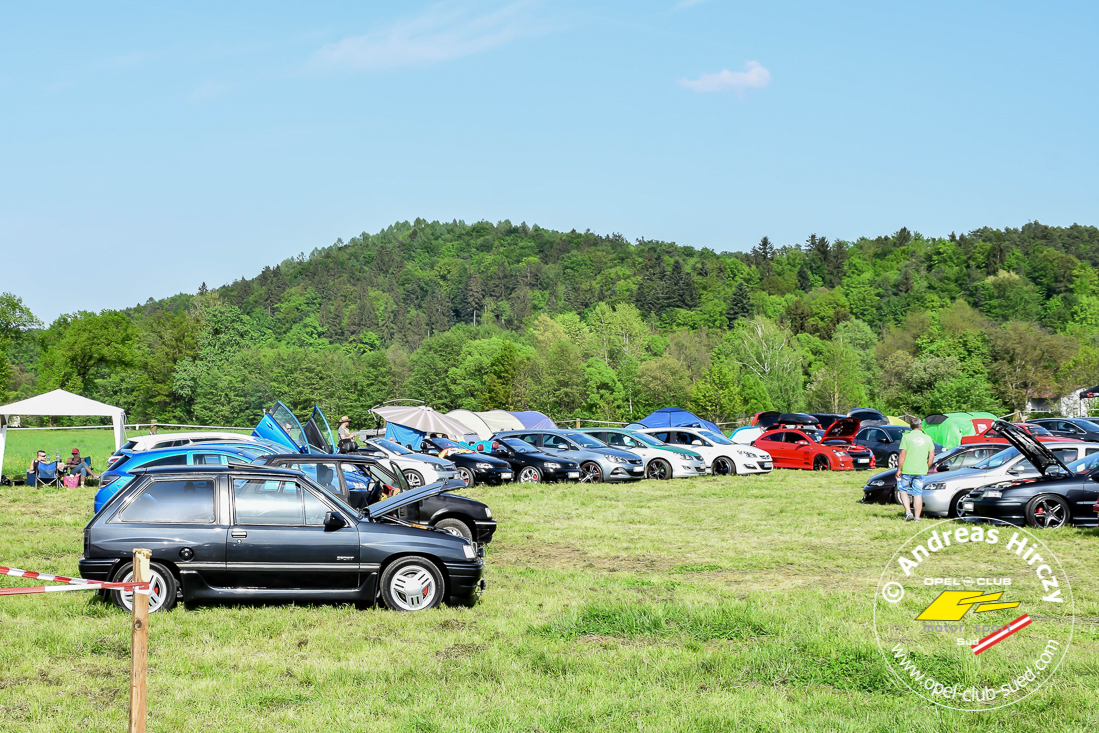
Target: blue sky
x=145, y=150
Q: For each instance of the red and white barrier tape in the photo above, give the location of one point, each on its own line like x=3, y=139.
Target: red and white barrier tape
x=70, y=583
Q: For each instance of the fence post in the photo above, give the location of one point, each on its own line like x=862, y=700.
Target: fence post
x=139, y=643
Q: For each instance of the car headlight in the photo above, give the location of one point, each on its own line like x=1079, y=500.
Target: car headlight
x=618, y=459
x=992, y=494
x=934, y=487
x=484, y=466
x=876, y=482
x=746, y=454
x=838, y=452
x=488, y=513
x=469, y=552
x=552, y=465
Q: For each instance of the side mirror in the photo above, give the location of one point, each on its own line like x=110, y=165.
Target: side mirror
x=696, y=441
x=433, y=453
x=803, y=442
x=334, y=520
x=884, y=440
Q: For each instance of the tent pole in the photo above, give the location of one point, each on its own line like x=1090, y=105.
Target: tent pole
x=3, y=439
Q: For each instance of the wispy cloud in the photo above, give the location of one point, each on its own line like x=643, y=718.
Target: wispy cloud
x=442, y=33
x=754, y=76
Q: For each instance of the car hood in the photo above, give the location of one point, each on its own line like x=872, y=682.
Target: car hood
x=393, y=503
x=842, y=429
x=430, y=460
x=1041, y=457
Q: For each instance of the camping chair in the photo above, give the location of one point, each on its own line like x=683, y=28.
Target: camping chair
x=47, y=475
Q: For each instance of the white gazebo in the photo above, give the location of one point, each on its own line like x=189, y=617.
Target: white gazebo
x=60, y=402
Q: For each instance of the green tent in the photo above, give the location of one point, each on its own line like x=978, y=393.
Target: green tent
x=949, y=429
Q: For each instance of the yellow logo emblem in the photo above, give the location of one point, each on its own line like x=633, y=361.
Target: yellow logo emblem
x=951, y=605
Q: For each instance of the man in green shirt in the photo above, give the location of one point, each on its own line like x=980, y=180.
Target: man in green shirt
x=917, y=453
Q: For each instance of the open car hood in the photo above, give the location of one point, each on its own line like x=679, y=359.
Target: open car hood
x=1041, y=457
x=844, y=428
x=393, y=503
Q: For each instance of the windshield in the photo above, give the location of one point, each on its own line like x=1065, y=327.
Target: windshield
x=997, y=459
x=444, y=443
x=1087, y=425
x=1085, y=465
x=720, y=439
x=585, y=440
x=519, y=446
x=392, y=447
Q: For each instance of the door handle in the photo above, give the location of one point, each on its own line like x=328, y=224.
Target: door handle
x=239, y=533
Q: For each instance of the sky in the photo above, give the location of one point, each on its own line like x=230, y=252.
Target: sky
x=146, y=149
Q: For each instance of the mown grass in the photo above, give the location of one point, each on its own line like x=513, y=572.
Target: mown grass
x=711, y=604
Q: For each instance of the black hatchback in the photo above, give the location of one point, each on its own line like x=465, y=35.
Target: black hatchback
x=362, y=481
x=257, y=533
x=531, y=465
x=473, y=468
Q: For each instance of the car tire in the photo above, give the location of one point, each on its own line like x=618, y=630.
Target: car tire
x=529, y=475
x=897, y=497
x=163, y=588
x=956, y=505
x=412, y=583
x=415, y=478
x=591, y=473
x=1046, y=511
x=894, y=459
x=820, y=463
x=455, y=526
x=658, y=469
x=466, y=475
x=723, y=466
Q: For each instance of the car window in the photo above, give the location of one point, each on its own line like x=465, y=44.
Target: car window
x=556, y=442
x=354, y=476
x=528, y=438
x=260, y=501
x=776, y=437
x=713, y=437
x=863, y=435
x=585, y=440
x=208, y=459
x=630, y=442
x=173, y=501
x=876, y=436
x=1090, y=451
x=686, y=438
x=180, y=460
x=1085, y=465
x=323, y=474
x=790, y=437
x=315, y=509
x=1067, y=455
x=614, y=439
x=664, y=437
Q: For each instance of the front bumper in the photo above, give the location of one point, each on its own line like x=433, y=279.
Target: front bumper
x=623, y=472
x=465, y=581
x=482, y=533
x=688, y=470
x=755, y=465
x=561, y=474
x=1004, y=509
x=494, y=477
x=878, y=494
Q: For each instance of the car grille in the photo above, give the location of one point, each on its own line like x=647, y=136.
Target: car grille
x=636, y=463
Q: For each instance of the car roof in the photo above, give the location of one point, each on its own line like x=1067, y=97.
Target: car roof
x=192, y=448
x=319, y=457
x=191, y=470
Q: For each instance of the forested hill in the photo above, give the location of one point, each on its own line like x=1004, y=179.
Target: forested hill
x=583, y=325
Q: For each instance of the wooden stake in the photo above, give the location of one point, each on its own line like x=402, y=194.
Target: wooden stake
x=139, y=644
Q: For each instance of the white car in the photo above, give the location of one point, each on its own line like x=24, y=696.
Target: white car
x=723, y=456
x=418, y=469
x=661, y=460
x=173, y=440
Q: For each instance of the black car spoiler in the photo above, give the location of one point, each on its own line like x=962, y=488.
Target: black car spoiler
x=1041, y=457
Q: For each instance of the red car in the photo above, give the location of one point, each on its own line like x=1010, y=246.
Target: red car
x=793, y=447
x=991, y=436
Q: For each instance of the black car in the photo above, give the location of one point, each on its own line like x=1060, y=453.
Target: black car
x=1060, y=495
x=362, y=481
x=882, y=487
x=473, y=468
x=885, y=442
x=259, y=533
x=1069, y=427
x=532, y=465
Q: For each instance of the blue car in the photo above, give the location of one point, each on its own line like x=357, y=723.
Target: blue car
x=196, y=454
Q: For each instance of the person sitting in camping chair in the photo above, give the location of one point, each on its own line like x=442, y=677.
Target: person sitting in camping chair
x=44, y=471
x=79, y=466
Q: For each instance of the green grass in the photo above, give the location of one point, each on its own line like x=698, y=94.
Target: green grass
x=97, y=443
x=717, y=604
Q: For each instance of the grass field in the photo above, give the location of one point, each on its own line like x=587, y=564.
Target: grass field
x=717, y=604
x=98, y=443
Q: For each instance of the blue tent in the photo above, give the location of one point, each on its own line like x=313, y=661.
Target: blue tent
x=677, y=417
x=534, y=420
x=404, y=435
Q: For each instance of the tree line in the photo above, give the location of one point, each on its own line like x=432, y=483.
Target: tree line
x=580, y=325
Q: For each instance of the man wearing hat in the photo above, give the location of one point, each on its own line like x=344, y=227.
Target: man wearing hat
x=346, y=437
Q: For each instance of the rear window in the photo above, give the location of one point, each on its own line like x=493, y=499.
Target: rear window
x=173, y=502
x=180, y=460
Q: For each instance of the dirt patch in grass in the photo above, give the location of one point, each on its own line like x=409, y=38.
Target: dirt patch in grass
x=563, y=555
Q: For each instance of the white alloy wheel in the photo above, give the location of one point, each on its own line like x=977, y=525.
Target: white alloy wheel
x=413, y=587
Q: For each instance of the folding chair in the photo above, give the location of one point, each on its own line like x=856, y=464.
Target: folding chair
x=48, y=475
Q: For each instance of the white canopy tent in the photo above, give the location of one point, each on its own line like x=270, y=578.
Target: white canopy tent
x=499, y=420
x=60, y=402
x=473, y=421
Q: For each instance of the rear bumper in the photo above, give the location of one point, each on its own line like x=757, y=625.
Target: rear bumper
x=100, y=569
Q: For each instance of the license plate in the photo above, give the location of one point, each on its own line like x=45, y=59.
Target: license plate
x=765, y=465
x=862, y=460
x=574, y=474
x=637, y=470
x=968, y=506
x=505, y=474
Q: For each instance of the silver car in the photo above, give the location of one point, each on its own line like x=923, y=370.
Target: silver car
x=598, y=461
x=943, y=493
x=662, y=461
x=418, y=469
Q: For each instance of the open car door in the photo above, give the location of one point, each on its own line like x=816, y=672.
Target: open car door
x=318, y=434
x=280, y=426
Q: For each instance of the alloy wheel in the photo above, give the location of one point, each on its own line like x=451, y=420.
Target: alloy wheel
x=413, y=588
x=894, y=459
x=590, y=473
x=157, y=591
x=466, y=475
x=415, y=480
x=529, y=475
x=1049, y=514
x=722, y=466
x=657, y=469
